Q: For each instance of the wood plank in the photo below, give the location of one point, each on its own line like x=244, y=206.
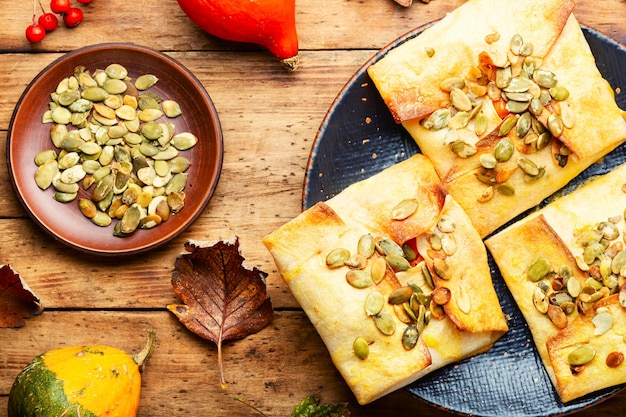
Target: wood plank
x=181, y=376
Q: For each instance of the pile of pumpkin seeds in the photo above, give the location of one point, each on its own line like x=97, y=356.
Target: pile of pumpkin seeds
x=116, y=150
x=559, y=294
x=412, y=304
x=529, y=92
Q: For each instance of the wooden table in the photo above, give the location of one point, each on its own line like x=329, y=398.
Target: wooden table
x=270, y=118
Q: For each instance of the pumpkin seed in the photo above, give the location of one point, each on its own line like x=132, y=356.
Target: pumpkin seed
x=446, y=224
x=145, y=81
x=385, y=323
x=398, y=262
x=171, y=108
x=453, y=82
x=540, y=300
x=581, y=355
x=356, y=261
x=488, y=161
x=523, y=125
x=544, y=78
x=441, y=295
x=503, y=77
x=538, y=269
x=528, y=166
x=400, y=295
x=409, y=252
x=555, y=125
x=462, y=149
x=116, y=71
x=460, y=100
x=361, y=348
x=374, y=303
x=437, y=120
x=366, y=245
x=410, y=336
x=388, y=246
x=559, y=93
x=516, y=44
x=507, y=124
x=101, y=219
x=602, y=321
x=504, y=150
x=404, y=209
x=359, y=278
x=378, y=269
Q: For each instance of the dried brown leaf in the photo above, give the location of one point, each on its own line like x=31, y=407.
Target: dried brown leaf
x=17, y=301
x=223, y=300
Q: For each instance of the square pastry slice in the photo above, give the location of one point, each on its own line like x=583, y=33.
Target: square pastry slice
x=505, y=98
x=565, y=266
x=393, y=276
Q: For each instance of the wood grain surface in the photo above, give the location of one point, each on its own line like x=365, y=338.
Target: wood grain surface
x=270, y=118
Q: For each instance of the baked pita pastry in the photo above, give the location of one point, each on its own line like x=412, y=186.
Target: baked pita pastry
x=505, y=98
x=413, y=295
x=564, y=266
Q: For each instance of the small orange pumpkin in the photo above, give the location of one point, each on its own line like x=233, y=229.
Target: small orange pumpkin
x=270, y=23
x=80, y=381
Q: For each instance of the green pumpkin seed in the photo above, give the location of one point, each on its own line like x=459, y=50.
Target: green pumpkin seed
x=555, y=125
x=437, y=120
x=559, y=93
x=400, y=295
x=374, y=303
x=581, y=355
x=366, y=245
x=398, y=262
x=528, y=166
x=524, y=124
x=404, y=209
x=337, y=258
x=460, y=100
x=409, y=252
x=538, y=269
x=544, y=78
x=480, y=124
x=503, y=150
x=388, y=246
x=114, y=86
x=171, y=108
x=94, y=94
x=359, y=278
x=361, y=348
x=517, y=107
x=385, y=323
x=507, y=124
x=116, y=71
x=64, y=197
x=462, y=149
x=356, y=261
x=184, y=141
x=145, y=81
x=518, y=85
x=44, y=156
x=410, y=336
x=540, y=300
x=488, y=161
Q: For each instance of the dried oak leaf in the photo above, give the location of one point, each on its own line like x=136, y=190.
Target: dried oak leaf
x=222, y=299
x=17, y=301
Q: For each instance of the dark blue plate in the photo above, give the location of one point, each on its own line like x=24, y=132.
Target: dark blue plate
x=357, y=139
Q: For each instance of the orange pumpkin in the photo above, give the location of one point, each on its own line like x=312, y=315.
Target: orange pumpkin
x=79, y=381
x=270, y=23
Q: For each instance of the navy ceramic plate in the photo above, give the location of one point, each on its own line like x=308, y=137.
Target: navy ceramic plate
x=359, y=138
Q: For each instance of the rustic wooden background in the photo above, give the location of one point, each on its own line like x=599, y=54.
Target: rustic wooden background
x=270, y=118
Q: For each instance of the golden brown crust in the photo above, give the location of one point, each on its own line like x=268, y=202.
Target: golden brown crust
x=557, y=232
x=409, y=82
x=408, y=79
x=336, y=309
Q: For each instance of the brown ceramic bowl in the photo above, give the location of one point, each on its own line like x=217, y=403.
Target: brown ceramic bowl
x=28, y=136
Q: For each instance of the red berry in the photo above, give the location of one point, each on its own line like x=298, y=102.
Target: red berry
x=35, y=33
x=73, y=17
x=48, y=21
x=60, y=6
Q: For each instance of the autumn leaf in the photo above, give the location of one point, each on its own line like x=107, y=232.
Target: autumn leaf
x=222, y=299
x=311, y=407
x=17, y=301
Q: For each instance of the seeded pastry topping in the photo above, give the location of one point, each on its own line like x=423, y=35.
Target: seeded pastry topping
x=533, y=108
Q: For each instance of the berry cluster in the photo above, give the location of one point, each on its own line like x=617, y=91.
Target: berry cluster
x=48, y=21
